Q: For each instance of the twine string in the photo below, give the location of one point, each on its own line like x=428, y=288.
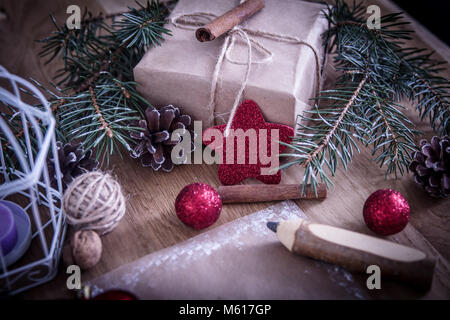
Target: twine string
x=94, y=201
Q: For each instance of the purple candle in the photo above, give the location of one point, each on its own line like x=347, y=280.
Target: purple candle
x=8, y=230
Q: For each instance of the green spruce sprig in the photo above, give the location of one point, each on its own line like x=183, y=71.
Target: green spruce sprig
x=95, y=97
x=377, y=70
x=142, y=27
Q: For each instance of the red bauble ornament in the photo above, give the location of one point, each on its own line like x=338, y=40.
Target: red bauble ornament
x=249, y=116
x=386, y=212
x=115, y=295
x=198, y=205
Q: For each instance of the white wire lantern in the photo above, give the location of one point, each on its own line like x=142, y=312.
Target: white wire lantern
x=30, y=178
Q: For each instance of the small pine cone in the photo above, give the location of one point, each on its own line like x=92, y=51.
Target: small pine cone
x=73, y=161
x=431, y=166
x=153, y=145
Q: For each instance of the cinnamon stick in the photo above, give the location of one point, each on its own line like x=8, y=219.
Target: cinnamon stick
x=264, y=192
x=228, y=20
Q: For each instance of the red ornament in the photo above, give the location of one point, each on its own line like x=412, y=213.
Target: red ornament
x=115, y=295
x=249, y=116
x=386, y=212
x=198, y=205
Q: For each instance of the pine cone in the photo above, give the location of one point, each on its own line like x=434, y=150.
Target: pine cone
x=73, y=161
x=431, y=166
x=153, y=144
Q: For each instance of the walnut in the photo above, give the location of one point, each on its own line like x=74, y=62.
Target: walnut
x=84, y=249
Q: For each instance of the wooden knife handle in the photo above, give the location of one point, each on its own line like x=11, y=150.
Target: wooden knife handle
x=265, y=192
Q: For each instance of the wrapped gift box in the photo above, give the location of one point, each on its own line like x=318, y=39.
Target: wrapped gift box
x=180, y=71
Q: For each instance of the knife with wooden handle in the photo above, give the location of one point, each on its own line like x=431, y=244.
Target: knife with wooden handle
x=355, y=251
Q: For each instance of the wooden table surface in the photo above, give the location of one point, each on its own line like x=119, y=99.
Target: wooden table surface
x=150, y=223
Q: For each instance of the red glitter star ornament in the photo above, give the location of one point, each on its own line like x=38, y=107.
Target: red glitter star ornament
x=249, y=116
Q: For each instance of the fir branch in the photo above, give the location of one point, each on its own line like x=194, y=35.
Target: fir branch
x=389, y=129
x=104, y=66
x=100, y=119
x=391, y=134
x=104, y=124
x=66, y=43
x=125, y=92
x=326, y=139
x=99, y=97
x=377, y=69
x=143, y=26
x=433, y=101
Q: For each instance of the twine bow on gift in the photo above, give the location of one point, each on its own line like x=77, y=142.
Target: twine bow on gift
x=193, y=20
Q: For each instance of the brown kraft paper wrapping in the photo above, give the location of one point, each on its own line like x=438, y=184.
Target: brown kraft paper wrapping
x=180, y=71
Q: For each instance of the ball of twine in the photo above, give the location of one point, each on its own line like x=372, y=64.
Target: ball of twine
x=94, y=201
